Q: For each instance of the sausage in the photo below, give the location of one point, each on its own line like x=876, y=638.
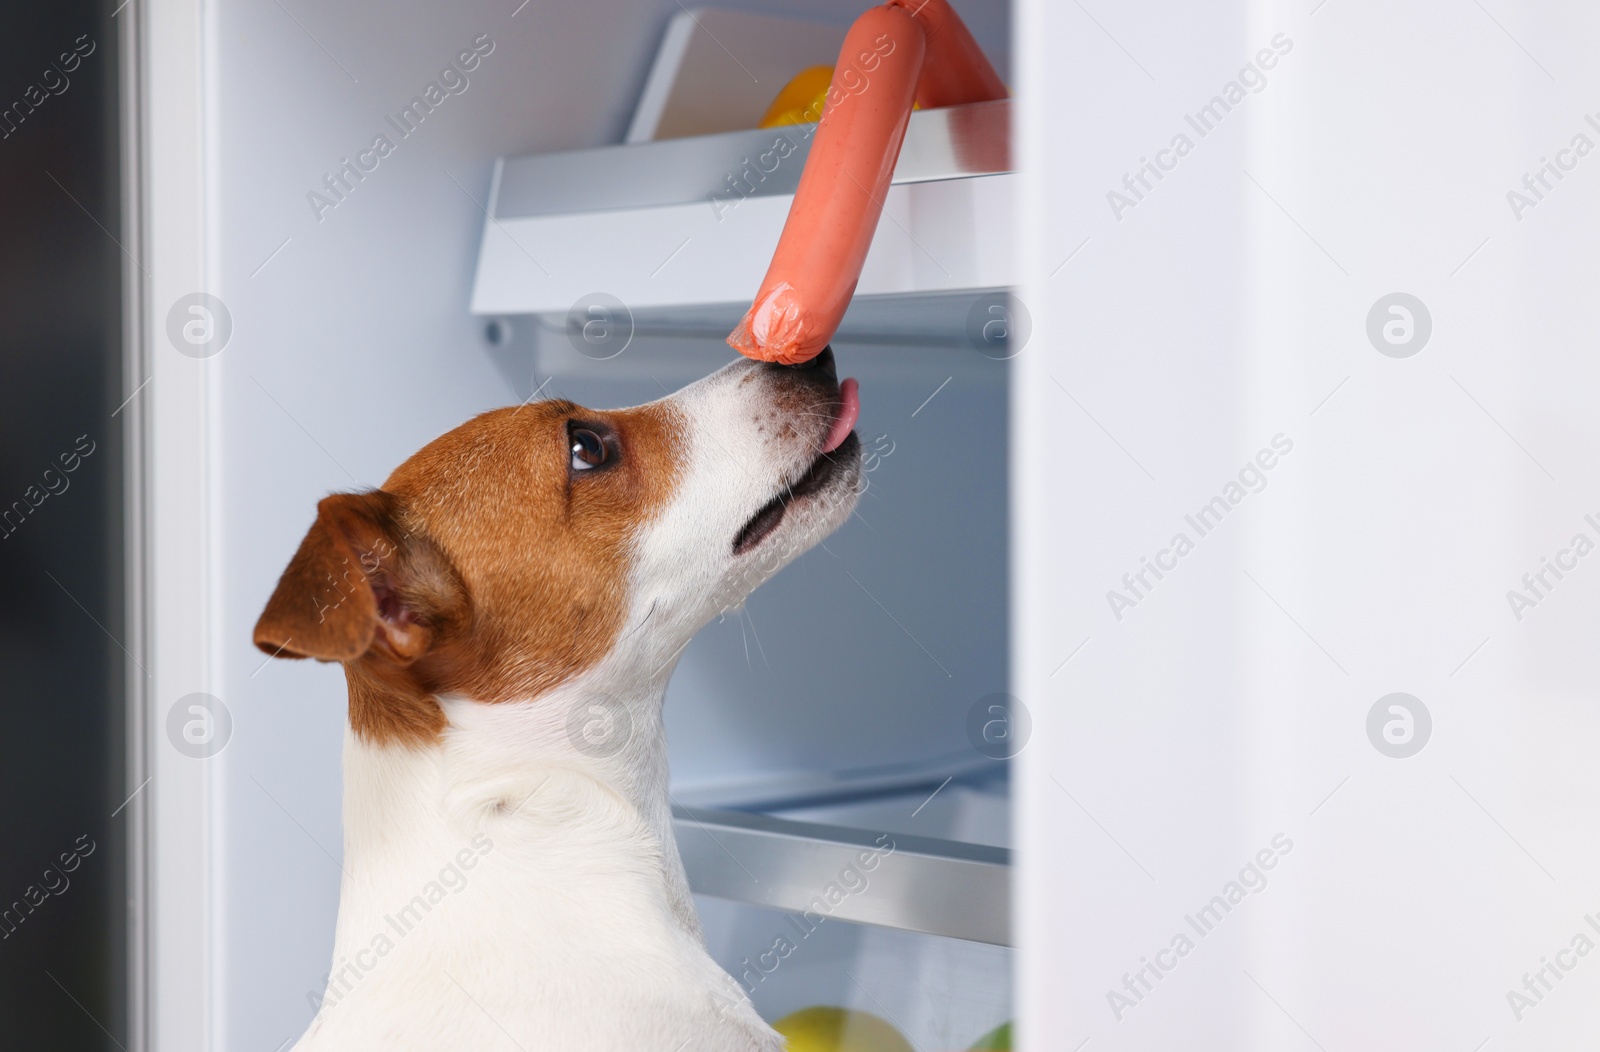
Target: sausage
x=903, y=52
x=840, y=197
x=956, y=71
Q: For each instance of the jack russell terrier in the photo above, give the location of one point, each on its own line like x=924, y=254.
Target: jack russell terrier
x=520, y=581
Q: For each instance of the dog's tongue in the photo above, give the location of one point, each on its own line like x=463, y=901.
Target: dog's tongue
x=849, y=410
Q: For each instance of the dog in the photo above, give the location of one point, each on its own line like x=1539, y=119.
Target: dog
x=508, y=608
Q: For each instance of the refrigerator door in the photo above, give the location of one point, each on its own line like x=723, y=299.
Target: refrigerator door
x=1327, y=779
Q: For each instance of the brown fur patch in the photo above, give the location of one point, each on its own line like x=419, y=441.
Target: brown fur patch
x=506, y=572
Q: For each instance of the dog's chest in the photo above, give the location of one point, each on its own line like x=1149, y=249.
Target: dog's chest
x=529, y=908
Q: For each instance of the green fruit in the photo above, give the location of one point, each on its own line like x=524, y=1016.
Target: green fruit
x=823, y=1028
x=996, y=1040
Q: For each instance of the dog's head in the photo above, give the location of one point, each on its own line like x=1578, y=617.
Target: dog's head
x=531, y=543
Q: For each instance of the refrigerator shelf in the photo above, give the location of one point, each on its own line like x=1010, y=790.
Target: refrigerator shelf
x=694, y=221
x=892, y=880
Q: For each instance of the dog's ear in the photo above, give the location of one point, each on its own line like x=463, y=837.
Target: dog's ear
x=360, y=583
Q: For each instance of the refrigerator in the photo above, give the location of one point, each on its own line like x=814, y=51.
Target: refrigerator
x=1206, y=664
x=380, y=222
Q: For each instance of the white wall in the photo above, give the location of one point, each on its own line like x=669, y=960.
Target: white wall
x=352, y=347
x=1230, y=704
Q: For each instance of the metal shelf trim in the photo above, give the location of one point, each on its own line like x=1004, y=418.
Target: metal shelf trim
x=920, y=884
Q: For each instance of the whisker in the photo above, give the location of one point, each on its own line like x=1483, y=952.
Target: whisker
x=753, y=632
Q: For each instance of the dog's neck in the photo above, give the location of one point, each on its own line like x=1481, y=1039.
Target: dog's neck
x=570, y=781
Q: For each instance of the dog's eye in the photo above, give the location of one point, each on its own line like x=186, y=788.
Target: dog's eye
x=588, y=451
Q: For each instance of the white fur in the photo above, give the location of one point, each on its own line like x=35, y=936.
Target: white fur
x=558, y=916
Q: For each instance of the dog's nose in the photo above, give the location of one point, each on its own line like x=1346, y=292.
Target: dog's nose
x=822, y=364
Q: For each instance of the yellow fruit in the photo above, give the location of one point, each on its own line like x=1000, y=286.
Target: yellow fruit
x=801, y=100
x=996, y=1040
x=826, y=1029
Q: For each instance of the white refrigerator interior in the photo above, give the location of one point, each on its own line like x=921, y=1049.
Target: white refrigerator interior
x=1305, y=525
x=840, y=693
